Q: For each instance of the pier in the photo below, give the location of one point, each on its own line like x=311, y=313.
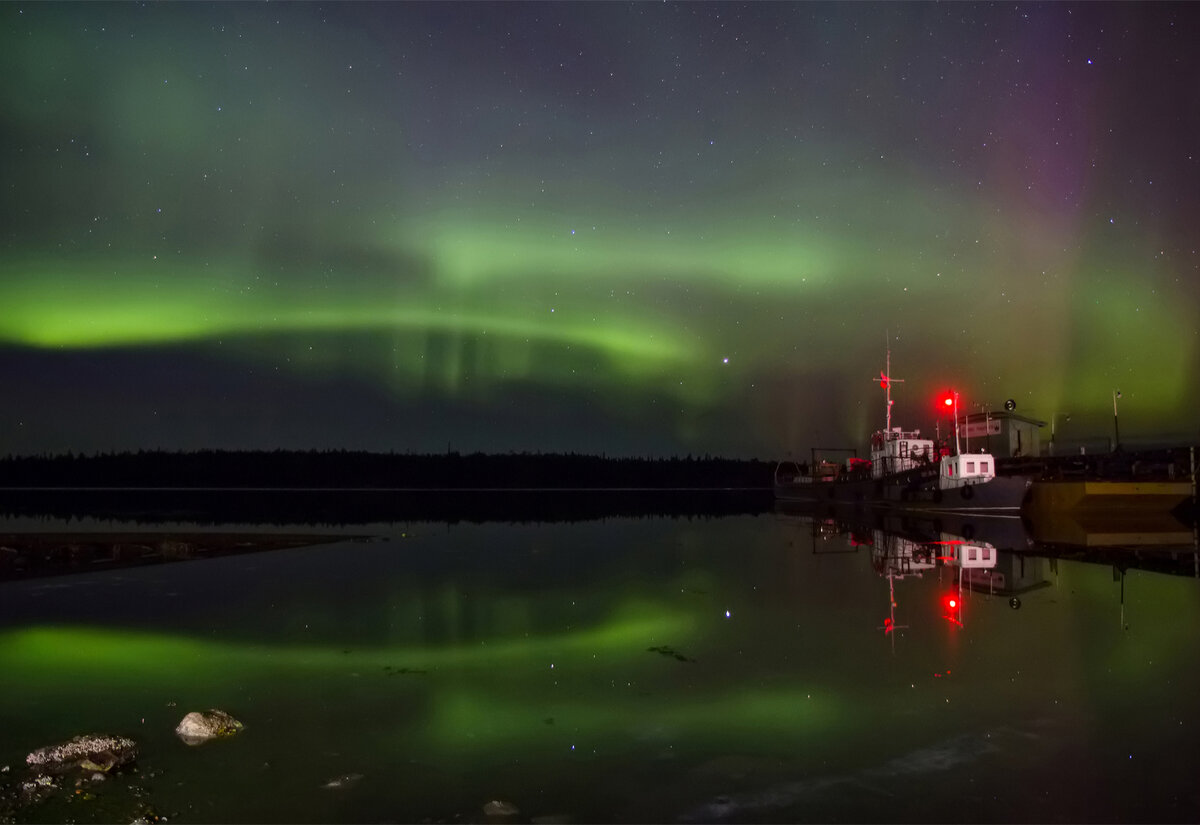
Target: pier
x=1157, y=480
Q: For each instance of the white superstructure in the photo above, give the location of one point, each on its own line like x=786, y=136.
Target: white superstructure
x=897, y=450
x=965, y=469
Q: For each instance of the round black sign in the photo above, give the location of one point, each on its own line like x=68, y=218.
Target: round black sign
x=1010, y=405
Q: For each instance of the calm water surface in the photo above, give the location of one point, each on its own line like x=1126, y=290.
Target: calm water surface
x=675, y=670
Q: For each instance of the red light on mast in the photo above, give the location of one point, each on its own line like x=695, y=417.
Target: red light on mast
x=948, y=401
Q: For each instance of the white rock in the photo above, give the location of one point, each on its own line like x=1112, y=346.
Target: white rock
x=200, y=726
x=500, y=808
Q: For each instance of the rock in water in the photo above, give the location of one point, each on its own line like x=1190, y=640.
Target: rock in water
x=199, y=726
x=91, y=752
x=499, y=807
x=341, y=782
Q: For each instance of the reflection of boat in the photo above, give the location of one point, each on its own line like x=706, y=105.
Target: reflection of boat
x=974, y=562
x=908, y=472
x=1024, y=546
x=918, y=546
x=1005, y=532
x=896, y=557
x=1002, y=532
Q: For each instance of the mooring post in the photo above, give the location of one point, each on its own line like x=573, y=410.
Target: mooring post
x=1195, y=515
x=1192, y=460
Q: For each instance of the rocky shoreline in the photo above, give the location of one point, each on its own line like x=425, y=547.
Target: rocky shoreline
x=98, y=770
x=96, y=778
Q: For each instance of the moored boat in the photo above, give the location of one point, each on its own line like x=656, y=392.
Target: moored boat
x=906, y=471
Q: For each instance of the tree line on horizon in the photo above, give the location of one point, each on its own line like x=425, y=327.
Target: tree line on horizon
x=349, y=468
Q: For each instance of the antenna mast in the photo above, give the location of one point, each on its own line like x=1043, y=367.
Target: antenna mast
x=885, y=380
x=887, y=385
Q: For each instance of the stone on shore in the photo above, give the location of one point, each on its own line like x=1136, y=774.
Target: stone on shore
x=91, y=752
x=199, y=727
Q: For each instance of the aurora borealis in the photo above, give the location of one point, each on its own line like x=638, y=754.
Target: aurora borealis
x=622, y=228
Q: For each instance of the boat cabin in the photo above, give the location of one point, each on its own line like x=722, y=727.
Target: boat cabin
x=825, y=471
x=965, y=468
x=897, y=450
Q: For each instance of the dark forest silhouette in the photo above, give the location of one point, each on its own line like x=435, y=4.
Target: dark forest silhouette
x=343, y=469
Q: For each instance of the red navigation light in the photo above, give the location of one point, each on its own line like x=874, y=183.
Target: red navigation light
x=883, y=380
x=948, y=401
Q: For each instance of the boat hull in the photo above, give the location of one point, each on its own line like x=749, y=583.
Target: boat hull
x=1000, y=495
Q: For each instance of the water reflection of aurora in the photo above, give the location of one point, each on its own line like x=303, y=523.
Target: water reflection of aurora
x=487, y=694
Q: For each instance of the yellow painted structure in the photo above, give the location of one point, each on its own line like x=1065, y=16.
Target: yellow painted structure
x=1069, y=496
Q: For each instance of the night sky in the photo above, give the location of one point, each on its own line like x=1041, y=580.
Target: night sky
x=638, y=229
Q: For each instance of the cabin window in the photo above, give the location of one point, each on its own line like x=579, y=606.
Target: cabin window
x=987, y=553
x=983, y=467
x=970, y=466
x=950, y=469
x=972, y=553
x=904, y=449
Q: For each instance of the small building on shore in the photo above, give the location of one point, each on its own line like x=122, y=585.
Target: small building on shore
x=1004, y=434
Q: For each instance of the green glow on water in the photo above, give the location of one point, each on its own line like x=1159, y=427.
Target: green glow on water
x=575, y=689
x=461, y=705
x=617, y=713
x=610, y=688
x=103, y=652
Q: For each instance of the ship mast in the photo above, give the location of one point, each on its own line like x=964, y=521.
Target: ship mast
x=885, y=380
x=888, y=385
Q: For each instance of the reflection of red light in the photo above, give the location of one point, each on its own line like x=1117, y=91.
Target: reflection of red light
x=952, y=608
